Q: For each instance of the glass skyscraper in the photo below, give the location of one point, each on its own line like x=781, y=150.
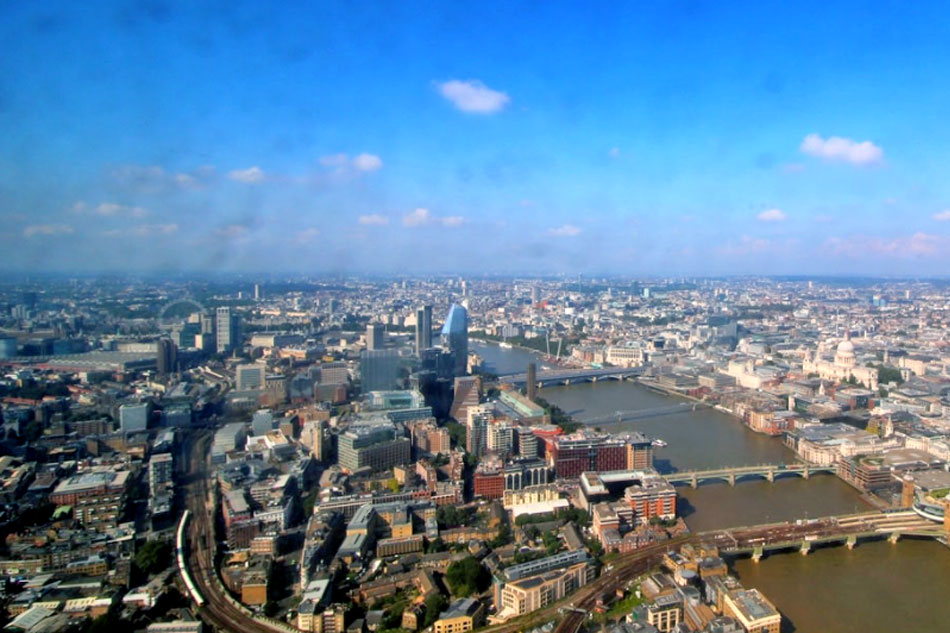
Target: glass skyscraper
x=455, y=337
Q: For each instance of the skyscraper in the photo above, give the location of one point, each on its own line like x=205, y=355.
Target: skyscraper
x=167, y=355
x=227, y=329
x=374, y=336
x=423, y=329
x=531, y=378
x=455, y=337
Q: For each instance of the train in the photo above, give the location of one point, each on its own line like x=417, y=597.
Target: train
x=182, y=568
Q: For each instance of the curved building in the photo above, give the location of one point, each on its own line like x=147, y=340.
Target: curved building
x=455, y=337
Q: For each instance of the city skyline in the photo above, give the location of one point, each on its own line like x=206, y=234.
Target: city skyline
x=687, y=139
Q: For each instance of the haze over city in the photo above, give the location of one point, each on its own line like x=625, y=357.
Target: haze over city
x=667, y=138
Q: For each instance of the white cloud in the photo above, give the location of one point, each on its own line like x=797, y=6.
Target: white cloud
x=367, y=162
x=47, y=229
x=473, y=96
x=416, y=218
x=772, y=215
x=79, y=206
x=614, y=152
x=565, y=230
x=343, y=164
x=942, y=216
x=306, y=236
x=112, y=209
x=155, y=179
x=836, y=148
x=423, y=217
x=232, y=231
x=374, y=219
x=149, y=230
x=251, y=175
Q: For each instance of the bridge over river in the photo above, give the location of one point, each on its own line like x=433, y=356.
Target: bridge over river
x=568, y=376
x=643, y=414
x=769, y=472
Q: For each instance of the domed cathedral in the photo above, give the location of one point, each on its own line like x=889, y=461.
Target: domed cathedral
x=843, y=368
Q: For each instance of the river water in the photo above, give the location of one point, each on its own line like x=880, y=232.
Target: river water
x=875, y=588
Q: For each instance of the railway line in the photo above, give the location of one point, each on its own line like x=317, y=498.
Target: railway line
x=216, y=606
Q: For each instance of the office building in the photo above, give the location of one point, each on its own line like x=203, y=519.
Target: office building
x=752, y=610
x=379, y=370
x=97, y=497
x=250, y=377
x=8, y=347
x=538, y=591
x=531, y=380
x=423, y=329
x=574, y=454
x=488, y=481
x=374, y=336
x=167, y=356
x=177, y=415
x=373, y=444
x=312, y=436
x=134, y=417
x=227, y=330
x=455, y=337
x=262, y=422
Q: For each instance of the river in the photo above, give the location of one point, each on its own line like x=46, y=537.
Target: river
x=875, y=588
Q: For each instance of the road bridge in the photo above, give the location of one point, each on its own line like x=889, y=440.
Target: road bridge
x=568, y=376
x=769, y=472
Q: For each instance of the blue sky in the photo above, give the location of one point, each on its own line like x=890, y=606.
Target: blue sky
x=627, y=138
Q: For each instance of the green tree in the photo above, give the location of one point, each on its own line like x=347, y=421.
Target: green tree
x=887, y=375
x=503, y=538
x=467, y=576
x=154, y=556
x=435, y=605
x=456, y=432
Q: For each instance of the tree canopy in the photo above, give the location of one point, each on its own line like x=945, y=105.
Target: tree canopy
x=467, y=576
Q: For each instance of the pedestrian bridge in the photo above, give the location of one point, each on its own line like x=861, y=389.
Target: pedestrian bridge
x=568, y=376
x=804, y=535
x=769, y=472
x=642, y=414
